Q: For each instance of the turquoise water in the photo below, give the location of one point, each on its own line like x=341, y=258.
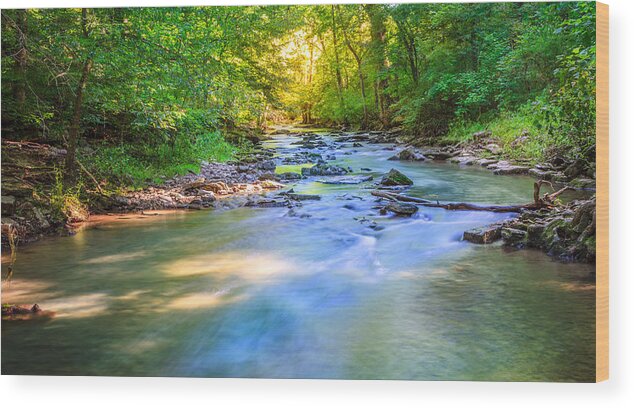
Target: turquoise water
x=251, y=292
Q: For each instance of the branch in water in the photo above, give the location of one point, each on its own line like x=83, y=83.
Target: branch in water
x=546, y=201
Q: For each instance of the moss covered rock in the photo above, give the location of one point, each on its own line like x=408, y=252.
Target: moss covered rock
x=396, y=178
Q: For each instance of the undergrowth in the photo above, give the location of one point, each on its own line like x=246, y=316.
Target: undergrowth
x=518, y=133
x=135, y=165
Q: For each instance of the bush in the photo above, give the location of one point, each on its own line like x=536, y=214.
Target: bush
x=65, y=202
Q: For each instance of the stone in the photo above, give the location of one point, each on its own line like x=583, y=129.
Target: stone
x=541, y=174
x=575, y=169
x=44, y=224
x=196, y=184
x=486, y=162
x=483, y=134
x=8, y=205
x=493, y=148
x=266, y=203
x=534, y=235
x=347, y=180
x=290, y=176
x=324, y=170
x=293, y=213
x=402, y=208
x=483, y=235
x=439, y=154
x=408, y=155
x=270, y=184
x=267, y=176
x=513, y=237
x=396, y=178
x=301, y=197
x=464, y=160
x=510, y=169
x=583, y=183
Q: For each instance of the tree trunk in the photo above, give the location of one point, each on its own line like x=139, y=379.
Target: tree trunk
x=364, y=123
x=337, y=64
x=21, y=57
x=378, y=32
x=73, y=134
x=409, y=44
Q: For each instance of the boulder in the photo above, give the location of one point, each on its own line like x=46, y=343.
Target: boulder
x=439, y=154
x=534, y=235
x=483, y=235
x=301, y=197
x=505, y=168
x=266, y=202
x=396, y=178
x=270, y=184
x=267, y=176
x=486, y=162
x=583, y=183
x=575, y=169
x=465, y=160
x=540, y=174
x=493, y=148
x=513, y=237
x=408, y=155
x=402, y=208
x=324, y=170
x=196, y=184
x=290, y=176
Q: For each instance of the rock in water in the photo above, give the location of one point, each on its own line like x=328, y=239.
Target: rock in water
x=513, y=237
x=290, y=176
x=301, y=197
x=347, y=180
x=506, y=170
x=408, y=155
x=324, y=170
x=396, y=178
x=402, y=208
x=484, y=235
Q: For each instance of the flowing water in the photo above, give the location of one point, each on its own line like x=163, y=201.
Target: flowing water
x=254, y=292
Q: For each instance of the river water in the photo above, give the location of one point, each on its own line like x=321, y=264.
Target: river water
x=254, y=292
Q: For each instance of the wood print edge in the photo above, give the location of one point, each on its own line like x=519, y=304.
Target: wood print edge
x=602, y=216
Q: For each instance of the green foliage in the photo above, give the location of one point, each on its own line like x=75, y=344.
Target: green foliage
x=165, y=80
x=66, y=202
x=519, y=132
x=570, y=112
x=137, y=165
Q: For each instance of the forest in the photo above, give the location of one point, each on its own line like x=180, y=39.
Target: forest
x=138, y=92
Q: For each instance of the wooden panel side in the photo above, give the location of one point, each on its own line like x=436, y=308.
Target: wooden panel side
x=603, y=193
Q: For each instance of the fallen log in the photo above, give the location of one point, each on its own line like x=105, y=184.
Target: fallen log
x=475, y=207
x=545, y=201
x=400, y=197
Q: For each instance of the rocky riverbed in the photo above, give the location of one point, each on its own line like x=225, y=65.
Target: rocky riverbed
x=249, y=180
